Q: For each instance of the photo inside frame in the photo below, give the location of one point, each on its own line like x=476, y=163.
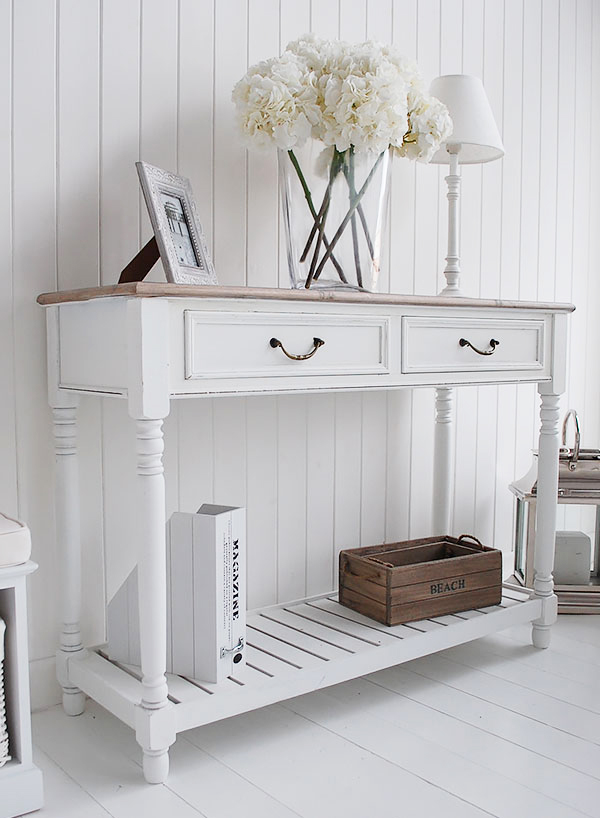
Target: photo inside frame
x=177, y=221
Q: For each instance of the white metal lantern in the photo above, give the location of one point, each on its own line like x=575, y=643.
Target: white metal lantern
x=578, y=484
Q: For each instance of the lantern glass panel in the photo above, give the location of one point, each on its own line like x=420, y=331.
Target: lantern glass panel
x=521, y=538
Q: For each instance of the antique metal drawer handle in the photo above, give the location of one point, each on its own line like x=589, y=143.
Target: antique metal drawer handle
x=317, y=342
x=493, y=344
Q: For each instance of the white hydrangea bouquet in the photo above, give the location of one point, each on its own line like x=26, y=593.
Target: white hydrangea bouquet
x=355, y=105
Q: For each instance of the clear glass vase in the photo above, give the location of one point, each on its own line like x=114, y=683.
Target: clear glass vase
x=334, y=209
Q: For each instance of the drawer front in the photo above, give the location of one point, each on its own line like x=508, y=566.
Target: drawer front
x=222, y=345
x=439, y=345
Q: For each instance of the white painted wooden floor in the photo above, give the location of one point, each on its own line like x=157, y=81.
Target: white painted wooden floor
x=494, y=727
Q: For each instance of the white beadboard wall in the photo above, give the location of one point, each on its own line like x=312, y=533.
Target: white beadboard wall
x=87, y=87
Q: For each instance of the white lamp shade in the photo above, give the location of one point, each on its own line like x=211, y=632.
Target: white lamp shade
x=475, y=130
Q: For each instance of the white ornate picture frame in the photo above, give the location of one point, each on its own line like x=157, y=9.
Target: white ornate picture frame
x=172, y=210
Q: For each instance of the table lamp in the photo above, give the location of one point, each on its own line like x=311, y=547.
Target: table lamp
x=475, y=139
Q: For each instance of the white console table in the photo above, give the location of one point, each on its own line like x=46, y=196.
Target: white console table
x=151, y=343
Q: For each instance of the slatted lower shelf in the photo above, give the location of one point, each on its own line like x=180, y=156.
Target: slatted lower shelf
x=294, y=649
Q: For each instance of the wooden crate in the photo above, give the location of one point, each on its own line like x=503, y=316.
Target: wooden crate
x=418, y=579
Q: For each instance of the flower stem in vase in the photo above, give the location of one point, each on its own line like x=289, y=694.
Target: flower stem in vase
x=311, y=207
x=334, y=169
x=313, y=263
x=349, y=173
x=321, y=215
x=361, y=212
x=355, y=203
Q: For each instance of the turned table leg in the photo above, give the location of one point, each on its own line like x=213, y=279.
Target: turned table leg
x=69, y=549
x=443, y=470
x=154, y=720
x=547, y=488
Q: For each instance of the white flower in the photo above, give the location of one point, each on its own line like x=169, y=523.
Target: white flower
x=366, y=95
x=274, y=104
x=430, y=126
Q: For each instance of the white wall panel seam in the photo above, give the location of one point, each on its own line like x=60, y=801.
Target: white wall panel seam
x=16, y=463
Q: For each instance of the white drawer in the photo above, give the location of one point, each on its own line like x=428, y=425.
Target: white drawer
x=439, y=345
x=219, y=345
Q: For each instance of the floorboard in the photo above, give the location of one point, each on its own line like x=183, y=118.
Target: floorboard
x=491, y=728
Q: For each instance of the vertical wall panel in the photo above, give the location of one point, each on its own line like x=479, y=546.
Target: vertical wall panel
x=262, y=497
x=489, y=281
x=294, y=21
x=402, y=263
x=194, y=161
x=195, y=104
x=451, y=58
x=263, y=202
x=564, y=282
x=119, y=241
x=34, y=270
x=159, y=91
x=403, y=192
x=373, y=473
x=511, y=179
x=78, y=253
x=399, y=424
x=471, y=205
x=325, y=18
x=158, y=97
x=353, y=20
x=425, y=276
x=347, y=500
x=380, y=16
x=530, y=149
x=78, y=146
x=507, y=427
x=8, y=447
x=292, y=433
x=379, y=25
x=229, y=206
x=548, y=147
x=566, y=150
x=592, y=384
x=583, y=519
x=427, y=264
x=120, y=105
x=320, y=486
x=529, y=210
x=581, y=195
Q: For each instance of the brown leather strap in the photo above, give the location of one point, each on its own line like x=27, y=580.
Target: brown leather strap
x=141, y=264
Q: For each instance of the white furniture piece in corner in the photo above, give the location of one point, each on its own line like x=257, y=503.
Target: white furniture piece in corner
x=153, y=343
x=21, y=788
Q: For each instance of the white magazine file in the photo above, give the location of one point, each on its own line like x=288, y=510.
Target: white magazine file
x=206, y=597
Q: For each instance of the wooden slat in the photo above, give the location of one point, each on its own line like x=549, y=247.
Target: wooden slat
x=286, y=634
x=282, y=650
x=267, y=663
x=398, y=631
x=247, y=676
x=316, y=629
x=338, y=623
